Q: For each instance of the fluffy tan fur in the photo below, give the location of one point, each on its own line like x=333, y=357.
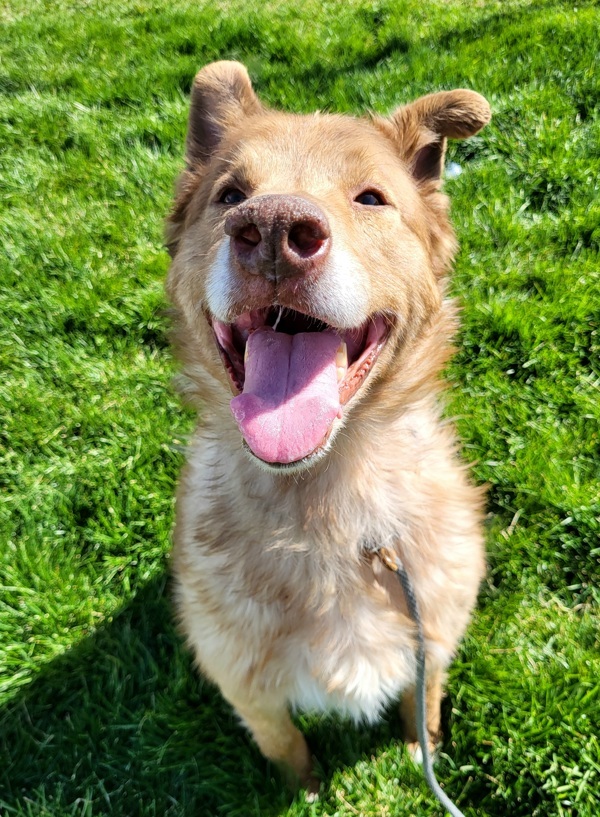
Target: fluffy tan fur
x=278, y=598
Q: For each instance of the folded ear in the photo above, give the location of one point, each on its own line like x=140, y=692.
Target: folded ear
x=421, y=128
x=222, y=94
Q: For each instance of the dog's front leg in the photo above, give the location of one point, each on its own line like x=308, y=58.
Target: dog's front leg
x=277, y=738
x=434, y=691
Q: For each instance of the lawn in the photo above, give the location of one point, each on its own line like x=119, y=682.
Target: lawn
x=101, y=712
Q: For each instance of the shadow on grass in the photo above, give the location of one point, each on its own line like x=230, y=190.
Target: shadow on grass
x=121, y=724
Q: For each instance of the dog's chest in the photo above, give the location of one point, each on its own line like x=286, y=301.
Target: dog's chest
x=279, y=596
x=332, y=635
x=356, y=658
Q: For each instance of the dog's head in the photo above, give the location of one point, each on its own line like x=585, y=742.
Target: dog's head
x=306, y=251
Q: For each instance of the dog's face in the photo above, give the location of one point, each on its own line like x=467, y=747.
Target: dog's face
x=306, y=251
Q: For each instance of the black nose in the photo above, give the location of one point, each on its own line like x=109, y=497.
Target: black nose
x=279, y=236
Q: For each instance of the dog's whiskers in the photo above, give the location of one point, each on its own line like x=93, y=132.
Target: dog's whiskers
x=278, y=318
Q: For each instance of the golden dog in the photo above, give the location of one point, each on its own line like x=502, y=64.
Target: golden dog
x=310, y=256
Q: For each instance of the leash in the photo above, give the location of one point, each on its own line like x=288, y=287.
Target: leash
x=393, y=563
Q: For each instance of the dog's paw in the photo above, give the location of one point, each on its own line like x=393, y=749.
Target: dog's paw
x=416, y=753
x=312, y=793
x=302, y=779
x=312, y=786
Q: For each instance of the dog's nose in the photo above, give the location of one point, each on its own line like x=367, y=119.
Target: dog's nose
x=279, y=236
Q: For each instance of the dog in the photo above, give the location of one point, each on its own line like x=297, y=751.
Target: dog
x=310, y=256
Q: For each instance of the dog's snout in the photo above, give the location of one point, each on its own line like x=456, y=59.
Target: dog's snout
x=279, y=236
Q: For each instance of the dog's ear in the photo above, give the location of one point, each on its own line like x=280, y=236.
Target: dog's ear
x=222, y=94
x=420, y=129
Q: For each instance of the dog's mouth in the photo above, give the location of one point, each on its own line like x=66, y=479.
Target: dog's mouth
x=292, y=375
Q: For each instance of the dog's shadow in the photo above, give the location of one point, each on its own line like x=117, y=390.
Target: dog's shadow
x=121, y=724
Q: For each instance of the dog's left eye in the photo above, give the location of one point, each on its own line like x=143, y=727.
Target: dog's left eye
x=370, y=198
x=232, y=196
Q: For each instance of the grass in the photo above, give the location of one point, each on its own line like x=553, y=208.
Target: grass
x=100, y=710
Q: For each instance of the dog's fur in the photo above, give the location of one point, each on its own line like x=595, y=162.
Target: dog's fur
x=278, y=597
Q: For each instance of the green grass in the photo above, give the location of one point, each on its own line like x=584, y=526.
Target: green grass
x=100, y=710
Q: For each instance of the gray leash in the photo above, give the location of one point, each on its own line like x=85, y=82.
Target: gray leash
x=393, y=563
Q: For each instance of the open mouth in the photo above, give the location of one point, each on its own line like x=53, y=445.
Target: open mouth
x=292, y=375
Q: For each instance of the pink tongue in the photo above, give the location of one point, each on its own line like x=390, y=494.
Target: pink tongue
x=290, y=396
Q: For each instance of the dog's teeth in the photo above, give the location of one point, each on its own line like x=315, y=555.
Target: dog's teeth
x=245, y=353
x=341, y=361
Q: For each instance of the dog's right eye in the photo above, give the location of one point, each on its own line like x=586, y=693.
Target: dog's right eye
x=232, y=196
x=370, y=198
